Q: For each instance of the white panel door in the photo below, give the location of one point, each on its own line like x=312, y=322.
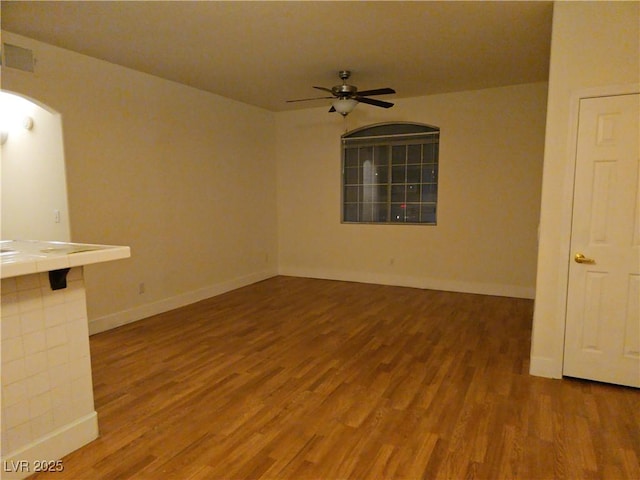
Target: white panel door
x=602, y=338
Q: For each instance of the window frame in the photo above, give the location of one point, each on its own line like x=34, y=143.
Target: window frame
x=388, y=136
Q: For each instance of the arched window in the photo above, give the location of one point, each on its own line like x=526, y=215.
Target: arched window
x=390, y=174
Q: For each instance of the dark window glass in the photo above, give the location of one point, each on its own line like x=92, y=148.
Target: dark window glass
x=390, y=174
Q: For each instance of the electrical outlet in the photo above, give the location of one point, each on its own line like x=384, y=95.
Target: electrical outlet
x=141, y=288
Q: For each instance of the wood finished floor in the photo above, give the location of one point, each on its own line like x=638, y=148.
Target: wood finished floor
x=309, y=379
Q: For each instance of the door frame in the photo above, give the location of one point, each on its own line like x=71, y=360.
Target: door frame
x=568, y=197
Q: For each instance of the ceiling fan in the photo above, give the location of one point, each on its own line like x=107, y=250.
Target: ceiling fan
x=346, y=97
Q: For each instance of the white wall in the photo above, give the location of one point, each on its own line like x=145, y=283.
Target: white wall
x=33, y=172
x=184, y=177
x=491, y=149
x=594, y=44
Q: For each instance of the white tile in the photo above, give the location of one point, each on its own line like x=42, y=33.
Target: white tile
x=55, y=315
x=64, y=414
x=61, y=396
x=80, y=368
x=44, y=280
x=75, y=291
x=78, y=348
x=81, y=387
x=15, y=414
x=60, y=375
x=38, y=384
x=39, y=405
x=80, y=328
x=9, y=303
x=84, y=405
x=52, y=263
x=75, y=273
x=18, y=437
x=76, y=310
x=56, y=336
x=78, y=339
x=82, y=393
x=52, y=297
x=10, y=326
x=29, y=300
x=13, y=372
x=15, y=269
x=5, y=440
x=36, y=363
x=12, y=349
x=14, y=393
x=32, y=321
x=57, y=356
x=46, y=364
x=34, y=342
x=28, y=282
x=8, y=285
x=42, y=425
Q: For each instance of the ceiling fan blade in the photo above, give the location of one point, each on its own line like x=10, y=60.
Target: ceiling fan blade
x=307, y=99
x=325, y=89
x=379, y=91
x=372, y=101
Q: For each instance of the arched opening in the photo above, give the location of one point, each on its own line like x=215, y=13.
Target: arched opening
x=34, y=187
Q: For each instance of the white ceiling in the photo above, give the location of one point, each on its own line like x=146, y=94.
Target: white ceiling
x=266, y=52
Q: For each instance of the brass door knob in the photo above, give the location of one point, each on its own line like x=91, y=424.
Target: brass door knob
x=580, y=258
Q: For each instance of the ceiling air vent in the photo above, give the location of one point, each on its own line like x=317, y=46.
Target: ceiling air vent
x=17, y=57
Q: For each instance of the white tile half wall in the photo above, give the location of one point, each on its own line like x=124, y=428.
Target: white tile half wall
x=47, y=392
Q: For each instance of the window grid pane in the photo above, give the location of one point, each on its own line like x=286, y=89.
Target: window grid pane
x=391, y=180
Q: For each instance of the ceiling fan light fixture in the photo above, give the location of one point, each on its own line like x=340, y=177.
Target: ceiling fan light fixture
x=344, y=106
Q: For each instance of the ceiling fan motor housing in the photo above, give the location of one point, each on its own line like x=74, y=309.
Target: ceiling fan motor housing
x=344, y=91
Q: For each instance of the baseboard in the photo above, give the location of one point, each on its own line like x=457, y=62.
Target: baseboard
x=545, y=367
x=499, y=290
x=50, y=448
x=107, y=322
x=134, y=314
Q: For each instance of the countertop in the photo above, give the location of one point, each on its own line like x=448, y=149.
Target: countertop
x=23, y=257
